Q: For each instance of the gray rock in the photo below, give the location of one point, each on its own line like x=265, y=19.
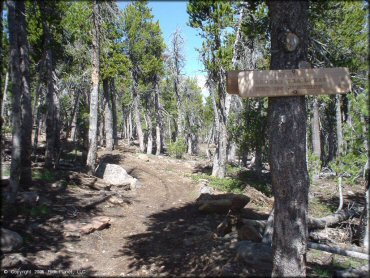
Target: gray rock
x=10, y=240
x=204, y=188
x=113, y=174
x=134, y=184
x=13, y=260
x=255, y=255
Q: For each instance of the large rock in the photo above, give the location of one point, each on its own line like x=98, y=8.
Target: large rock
x=113, y=174
x=257, y=256
x=222, y=203
x=10, y=241
x=116, y=175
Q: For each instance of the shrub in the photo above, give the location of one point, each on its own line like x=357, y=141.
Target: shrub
x=177, y=149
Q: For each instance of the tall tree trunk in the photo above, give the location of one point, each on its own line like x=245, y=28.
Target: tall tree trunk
x=129, y=127
x=94, y=95
x=177, y=42
x=180, y=127
x=338, y=116
x=26, y=107
x=287, y=138
x=136, y=103
x=114, y=111
x=220, y=156
x=40, y=104
x=108, y=116
x=4, y=98
x=159, y=120
x=74, y=116
x=16, y=80
x=52, y=131
x=57, y=123
x=150, y=132
x=316, y=142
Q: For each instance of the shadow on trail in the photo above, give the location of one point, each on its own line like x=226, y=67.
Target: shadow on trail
x=41, y=225
x=171, y=245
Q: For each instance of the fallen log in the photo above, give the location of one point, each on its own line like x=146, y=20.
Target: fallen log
x=337, y=250
x=330, y=220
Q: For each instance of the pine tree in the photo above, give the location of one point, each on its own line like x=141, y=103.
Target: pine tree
x=212, y=18
x=93, y=120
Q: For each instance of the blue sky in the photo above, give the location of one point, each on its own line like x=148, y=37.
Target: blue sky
x=172, y=15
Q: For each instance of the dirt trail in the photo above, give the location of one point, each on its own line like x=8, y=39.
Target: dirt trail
x=159, y=233
x=164, y=187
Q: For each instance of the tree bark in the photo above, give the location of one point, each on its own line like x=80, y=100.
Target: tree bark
x=287, y=138
x=177, y=42
x=52, y=126
x=40, y=97
x=114, y=111
x=316, y=142
x=149, y=122
x=219, y=166
x=16, y=80
x=94, y=95
x=4, y=98
x=26, y=107
x=338, y=116
x=159, y=123
x=136, y=103
x=75, y=114
x=108, y=116
x=73, y=119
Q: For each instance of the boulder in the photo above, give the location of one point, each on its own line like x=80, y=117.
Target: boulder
x=10, y=241
x=222, y=203
x=113, y=174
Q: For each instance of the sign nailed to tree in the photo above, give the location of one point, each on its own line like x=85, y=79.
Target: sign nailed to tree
x=273, y=83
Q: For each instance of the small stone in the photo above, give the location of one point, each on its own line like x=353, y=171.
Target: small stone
x=57, y=185
x=116, y=200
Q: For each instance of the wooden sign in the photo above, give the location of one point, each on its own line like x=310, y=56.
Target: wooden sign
x=297, y=82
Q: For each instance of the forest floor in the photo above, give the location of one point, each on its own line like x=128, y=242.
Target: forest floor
x=157, y=232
